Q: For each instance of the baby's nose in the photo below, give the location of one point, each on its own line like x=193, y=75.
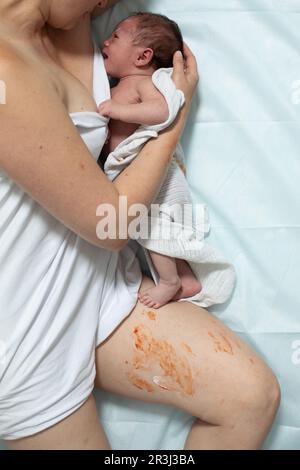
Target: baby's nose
x=106, y=42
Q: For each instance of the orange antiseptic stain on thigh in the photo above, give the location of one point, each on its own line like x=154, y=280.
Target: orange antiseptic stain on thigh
x=142, y=384
x=227, y=346
x=151, y=315
x=138, y=362
x=175, y=372
x=222, y=344
x=187, y=348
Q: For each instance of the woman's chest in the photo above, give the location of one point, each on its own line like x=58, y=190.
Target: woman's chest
x=73, y=65
x=75, y=85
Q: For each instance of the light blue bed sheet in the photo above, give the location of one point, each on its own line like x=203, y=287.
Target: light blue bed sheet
x=242, y=146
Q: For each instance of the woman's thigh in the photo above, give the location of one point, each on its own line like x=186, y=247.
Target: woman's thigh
x=180, y=355
x=79, y=431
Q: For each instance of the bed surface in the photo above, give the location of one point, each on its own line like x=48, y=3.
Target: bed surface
x=242, y=146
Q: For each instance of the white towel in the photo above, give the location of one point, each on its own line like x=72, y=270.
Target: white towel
x=175, y=230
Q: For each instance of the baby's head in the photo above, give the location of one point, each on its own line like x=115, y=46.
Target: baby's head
x=143, y=42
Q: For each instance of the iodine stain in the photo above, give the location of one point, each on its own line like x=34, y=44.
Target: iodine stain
x=176, y=373
x=227, y=346
x=151, y=316
x=140, y=383
x=82, y=166
x=187, y=348
x=221, y=343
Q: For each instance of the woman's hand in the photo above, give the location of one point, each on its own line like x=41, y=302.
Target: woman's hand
x=185, y=74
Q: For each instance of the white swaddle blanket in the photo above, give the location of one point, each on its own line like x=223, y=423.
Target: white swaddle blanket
x=174, y=230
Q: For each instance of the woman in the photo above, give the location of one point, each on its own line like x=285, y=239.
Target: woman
x=65, y=294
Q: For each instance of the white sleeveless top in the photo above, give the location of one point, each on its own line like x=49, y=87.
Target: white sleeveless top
x=59, y=295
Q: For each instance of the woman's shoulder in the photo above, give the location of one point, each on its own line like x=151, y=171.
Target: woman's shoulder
x=18, y=64
x=10, y=55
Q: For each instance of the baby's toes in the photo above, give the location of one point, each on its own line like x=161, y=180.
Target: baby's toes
x=148, y=300
x=141, y=297
x=145, y=301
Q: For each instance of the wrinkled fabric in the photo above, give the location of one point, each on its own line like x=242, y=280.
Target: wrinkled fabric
x=175, y=230
x=60, y=297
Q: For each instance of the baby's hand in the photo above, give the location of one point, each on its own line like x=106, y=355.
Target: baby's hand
x=109, y=109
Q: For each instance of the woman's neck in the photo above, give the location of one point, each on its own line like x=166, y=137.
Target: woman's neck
x=23, y=18
x=26, y=21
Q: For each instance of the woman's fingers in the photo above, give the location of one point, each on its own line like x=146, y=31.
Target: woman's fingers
x=190, y=61
x=178, y=74
x=178, y=62
x=185, y=72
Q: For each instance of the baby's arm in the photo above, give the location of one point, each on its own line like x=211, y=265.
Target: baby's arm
x=152, y=110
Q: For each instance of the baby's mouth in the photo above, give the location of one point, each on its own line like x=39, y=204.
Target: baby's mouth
x=105, y=56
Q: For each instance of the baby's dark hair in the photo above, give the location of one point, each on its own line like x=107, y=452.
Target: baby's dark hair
x=160, y=34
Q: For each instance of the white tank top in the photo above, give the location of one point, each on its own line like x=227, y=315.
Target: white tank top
x=59, y=295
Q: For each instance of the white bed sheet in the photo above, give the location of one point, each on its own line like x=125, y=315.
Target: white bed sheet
x=242, y=147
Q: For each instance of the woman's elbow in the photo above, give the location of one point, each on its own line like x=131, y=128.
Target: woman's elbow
x=106, y=242
x=111, y=245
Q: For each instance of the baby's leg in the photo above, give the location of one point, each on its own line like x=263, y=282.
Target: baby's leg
x=190, y=285
x=169, y=282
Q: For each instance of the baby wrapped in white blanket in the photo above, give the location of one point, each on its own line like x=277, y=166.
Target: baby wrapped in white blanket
x=183, y=265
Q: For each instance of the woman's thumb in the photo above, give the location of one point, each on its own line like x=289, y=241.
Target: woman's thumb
x=178, y=59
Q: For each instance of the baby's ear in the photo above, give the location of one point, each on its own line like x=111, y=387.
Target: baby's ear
x=144, y=57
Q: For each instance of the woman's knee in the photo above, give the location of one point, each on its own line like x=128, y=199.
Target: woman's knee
x=261, y=398
x=267, y=396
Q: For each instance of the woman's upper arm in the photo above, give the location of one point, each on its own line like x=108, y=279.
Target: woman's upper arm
x=41, y=150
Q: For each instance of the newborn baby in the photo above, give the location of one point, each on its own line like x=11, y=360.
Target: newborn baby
x=141, y=44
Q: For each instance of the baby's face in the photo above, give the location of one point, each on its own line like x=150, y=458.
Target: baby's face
x=119, y=52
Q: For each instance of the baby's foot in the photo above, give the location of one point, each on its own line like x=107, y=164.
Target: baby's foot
x=189, y=288
x=161, y=294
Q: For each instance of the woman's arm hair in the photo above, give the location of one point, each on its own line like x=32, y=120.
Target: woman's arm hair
x=41, y=150
x=101, y=9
